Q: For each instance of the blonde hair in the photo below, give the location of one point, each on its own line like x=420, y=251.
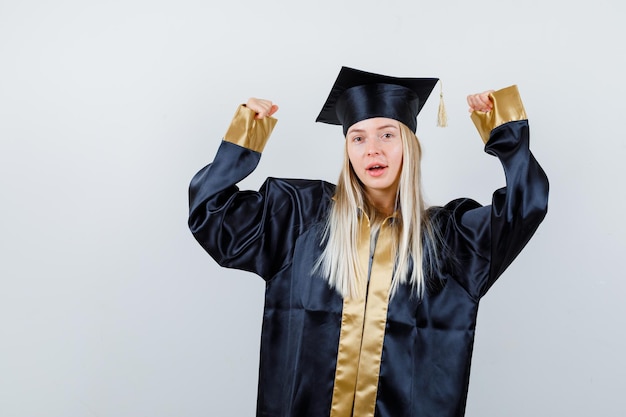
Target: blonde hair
x=339, y=261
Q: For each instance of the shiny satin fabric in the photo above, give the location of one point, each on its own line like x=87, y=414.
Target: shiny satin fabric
x=379, y=100
x=358, y=95
x=248, y=132
x=363, y=325
x=375, y=323
x=351, y=337
x=507, y=107
x=425, y=361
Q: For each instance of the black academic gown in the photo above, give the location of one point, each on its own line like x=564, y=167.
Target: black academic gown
x=426, y=354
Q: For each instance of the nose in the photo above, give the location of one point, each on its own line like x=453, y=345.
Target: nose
x=373, y=147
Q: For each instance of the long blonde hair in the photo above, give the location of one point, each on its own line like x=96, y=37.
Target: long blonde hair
x=339, y=261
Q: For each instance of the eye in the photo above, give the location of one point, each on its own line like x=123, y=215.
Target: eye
x=387, y=136
x=357, y=139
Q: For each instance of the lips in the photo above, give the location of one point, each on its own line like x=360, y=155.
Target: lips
x=375, y=165
x=375, y=169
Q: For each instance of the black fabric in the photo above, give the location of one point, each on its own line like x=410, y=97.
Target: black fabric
x=276, y=233
x=358, y=95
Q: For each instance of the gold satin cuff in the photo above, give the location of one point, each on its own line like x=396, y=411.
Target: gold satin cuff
x=249, y=132
x=507, y=107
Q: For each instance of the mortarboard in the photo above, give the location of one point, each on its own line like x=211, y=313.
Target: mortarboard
x=358, y=95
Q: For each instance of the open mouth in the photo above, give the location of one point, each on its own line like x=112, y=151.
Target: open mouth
x=376, y=169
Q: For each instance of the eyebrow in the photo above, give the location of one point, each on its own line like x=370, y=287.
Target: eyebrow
x=378, y=128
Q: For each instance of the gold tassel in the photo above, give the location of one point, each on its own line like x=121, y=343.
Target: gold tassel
x=442, y=116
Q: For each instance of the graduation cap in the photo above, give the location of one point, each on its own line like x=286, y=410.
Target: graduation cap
x=358, y=95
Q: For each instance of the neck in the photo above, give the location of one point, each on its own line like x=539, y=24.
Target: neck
x=384, y=203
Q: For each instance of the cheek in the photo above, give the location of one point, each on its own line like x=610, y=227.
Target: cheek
x=352, y=156
x=397, y=161
x=398, y=169
x=395, y=155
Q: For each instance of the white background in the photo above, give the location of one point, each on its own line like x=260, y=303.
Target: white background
x=109, y=308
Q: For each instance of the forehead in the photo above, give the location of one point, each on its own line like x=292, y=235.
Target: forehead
x=375, y=123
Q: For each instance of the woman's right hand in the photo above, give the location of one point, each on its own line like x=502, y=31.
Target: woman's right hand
x=262, y=108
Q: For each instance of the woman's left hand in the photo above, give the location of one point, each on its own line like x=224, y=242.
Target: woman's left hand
x=480, y=101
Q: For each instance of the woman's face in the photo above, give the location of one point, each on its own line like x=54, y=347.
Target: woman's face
x=375, y=151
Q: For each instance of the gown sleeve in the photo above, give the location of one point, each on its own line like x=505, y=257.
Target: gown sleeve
x=250, y=230
x=485, y=240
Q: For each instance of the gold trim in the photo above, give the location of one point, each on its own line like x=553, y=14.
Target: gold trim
x=375, y=324
x=246, y=131
x=350, y=339
x=363, y=323
x=507, y=107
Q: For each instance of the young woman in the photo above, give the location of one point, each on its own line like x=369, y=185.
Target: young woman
x=371, y=299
